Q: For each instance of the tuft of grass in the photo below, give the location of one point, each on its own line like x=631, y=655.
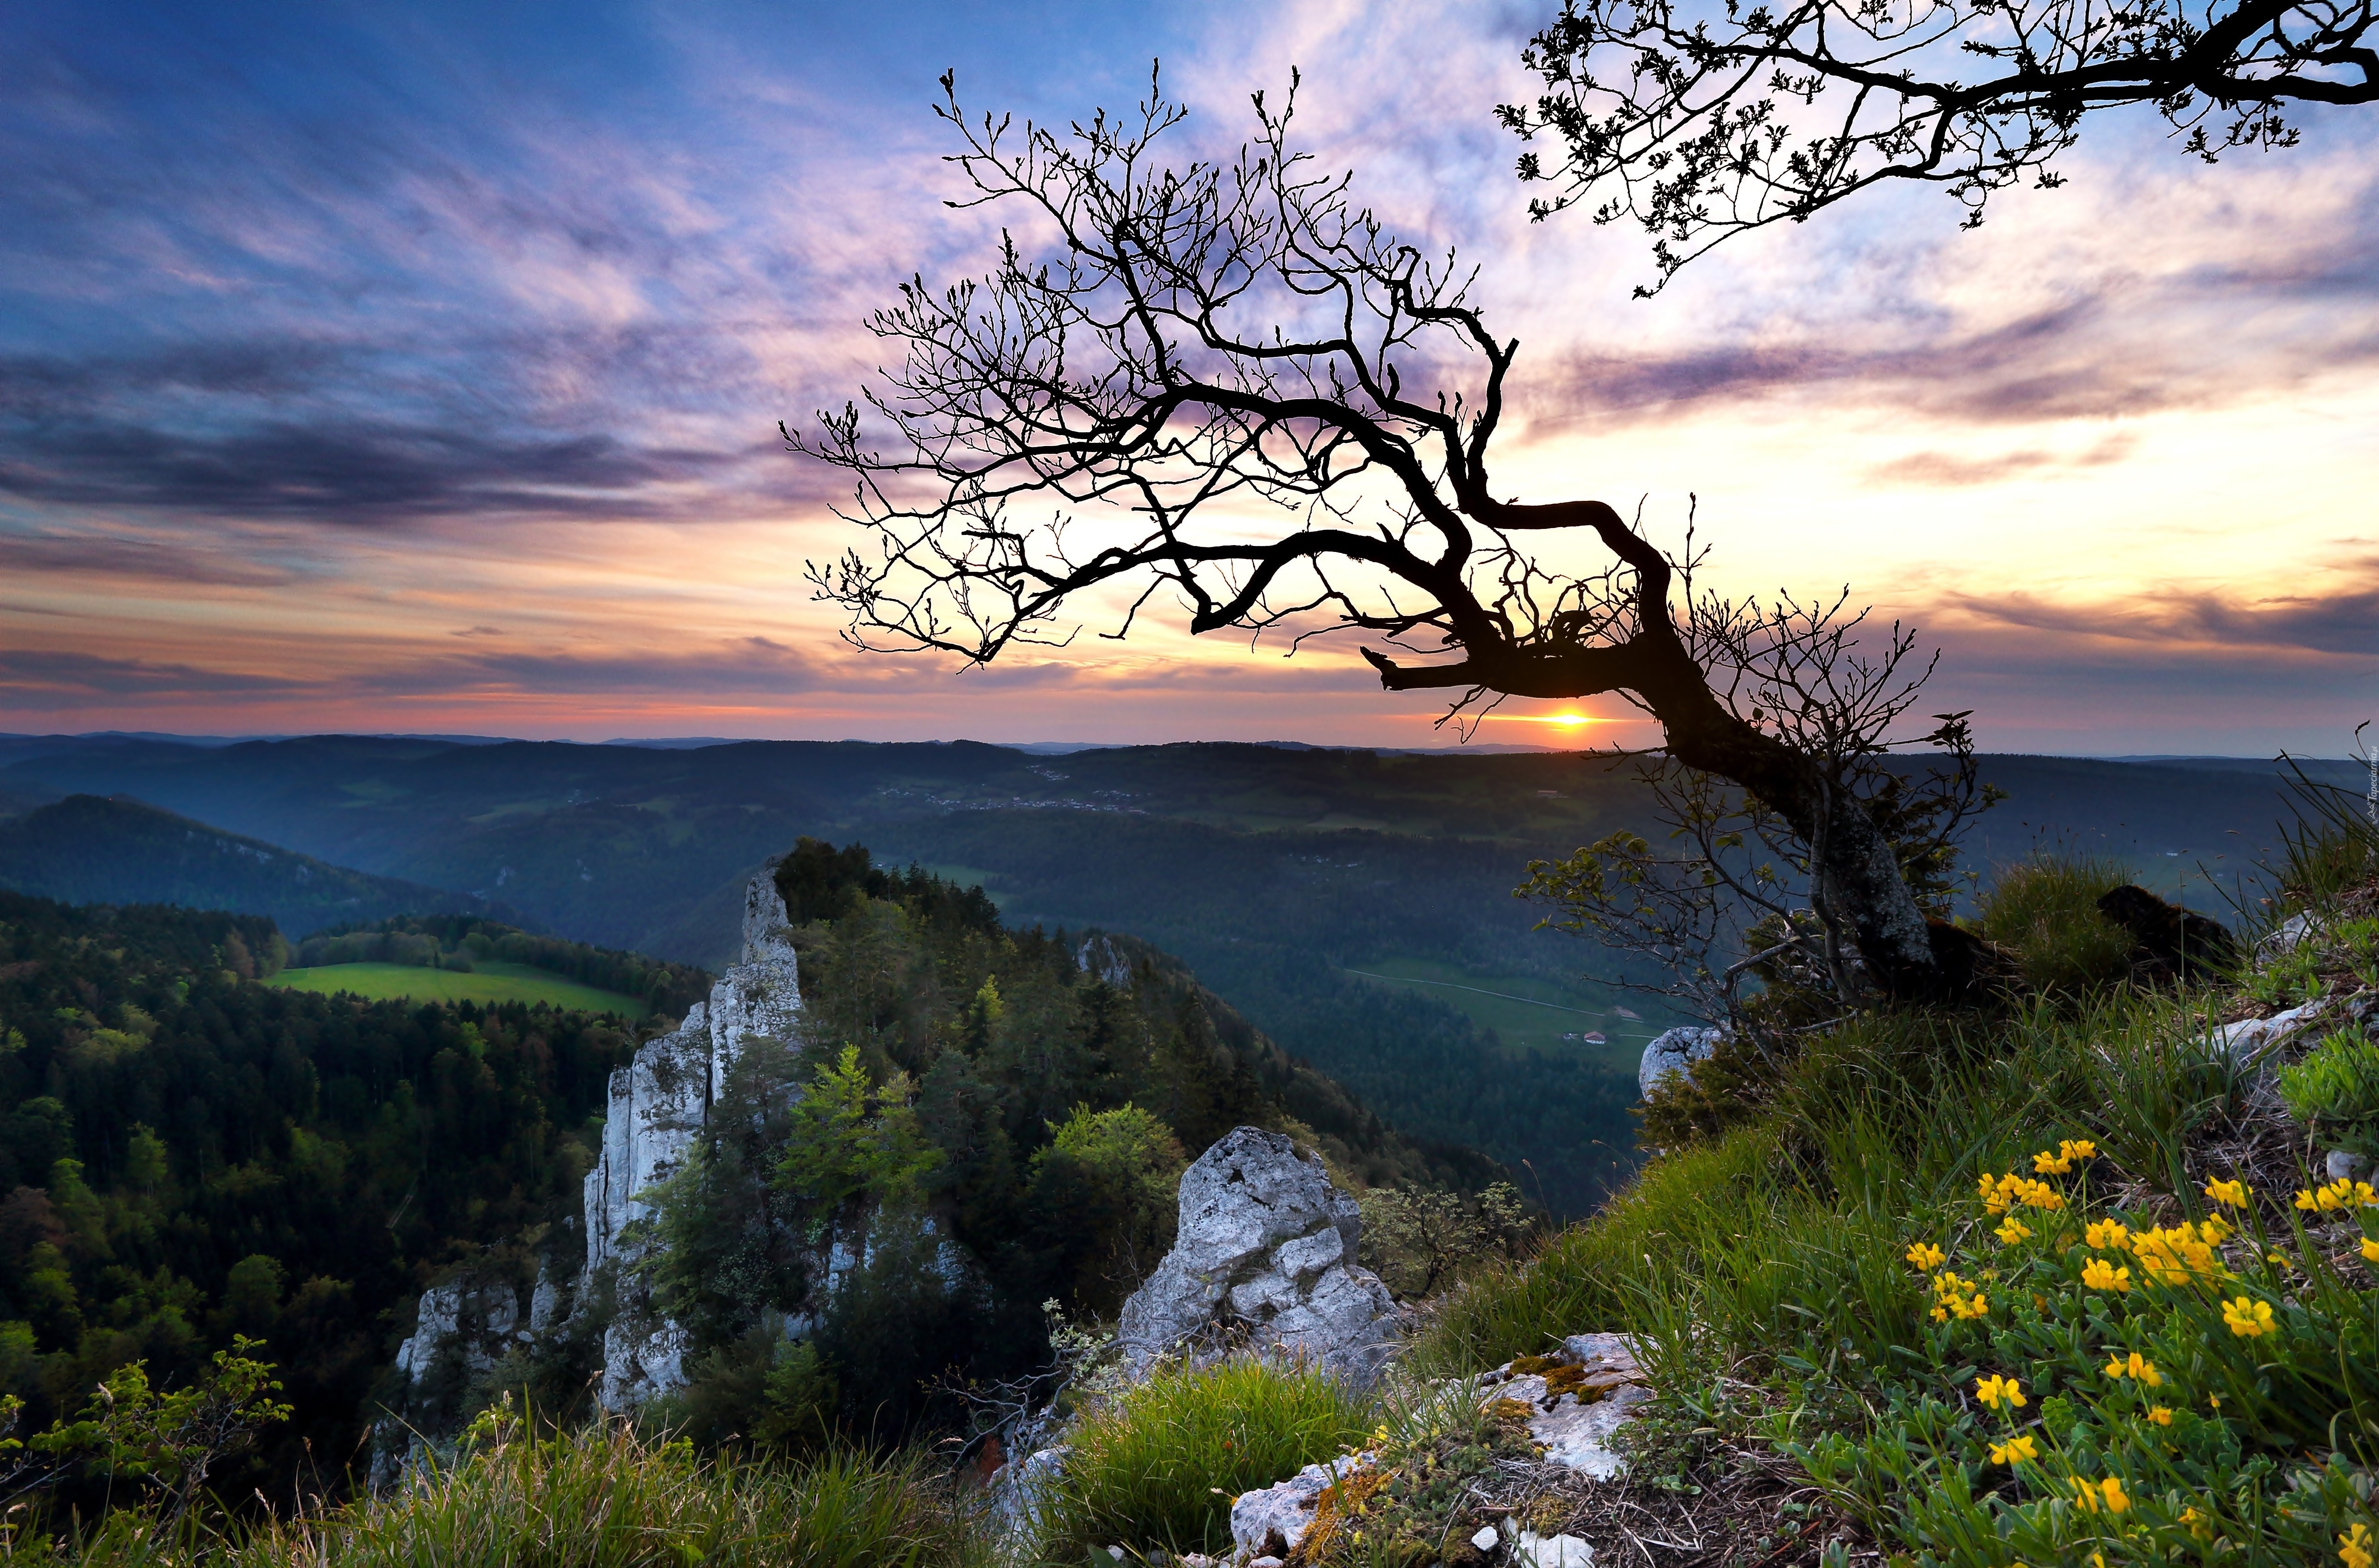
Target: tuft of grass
x=2046, y=912
x=595, y=1497
x=1160, y=1466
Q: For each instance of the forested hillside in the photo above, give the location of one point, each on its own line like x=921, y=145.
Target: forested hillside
x=1355, y=906
x=187, y=1156
x=85, y=849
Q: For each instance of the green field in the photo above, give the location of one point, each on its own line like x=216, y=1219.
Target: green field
x=489, y=983
x=1527, y=1012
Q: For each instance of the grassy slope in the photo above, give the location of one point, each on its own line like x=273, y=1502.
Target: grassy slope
x=1766, y=1267
x=487, y=983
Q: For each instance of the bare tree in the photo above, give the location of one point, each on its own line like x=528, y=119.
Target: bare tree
x=1228, y=383
x=1700, y=124
x=1733, y=892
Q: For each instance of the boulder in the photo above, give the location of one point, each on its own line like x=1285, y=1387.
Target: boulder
x=1265, y=1250
x=2283, y=939
x=1674, y=1053
x=2246, y=1043
x=2172, y=940
x=1272, y=1522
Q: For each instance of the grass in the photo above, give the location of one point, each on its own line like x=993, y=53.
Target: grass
x=1160, y=1466
x=486, y=982
x=2046, y=911
x=599, y=1497
x=1774, y=1276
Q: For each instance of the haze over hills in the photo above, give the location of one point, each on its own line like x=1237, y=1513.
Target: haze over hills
x=85, y=849
x=1355, y=906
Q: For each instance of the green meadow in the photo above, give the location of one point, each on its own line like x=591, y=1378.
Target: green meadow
x=490, y=981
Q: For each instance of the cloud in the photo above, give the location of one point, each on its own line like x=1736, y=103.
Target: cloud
x=1948, y=469
x=38, y=678
x=2341, y=619
x=118, y=556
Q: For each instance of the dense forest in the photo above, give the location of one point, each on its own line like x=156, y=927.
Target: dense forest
x=187, y=1156
x=976, y=1120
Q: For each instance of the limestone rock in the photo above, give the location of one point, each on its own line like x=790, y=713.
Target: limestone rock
x=1533, y=1550
x=2246, y=1043
x=1673, y=1052
x=1273, y=1520
x=660, y=1105
x=2283, y=939
x=470, y=1325
x=1265, y=1246
x=1021, y=1491
x=1578, y=1401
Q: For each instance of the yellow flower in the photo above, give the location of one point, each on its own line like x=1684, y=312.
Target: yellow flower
x=2045, y=1164
x=2200, y=1525
x=2214, y=1400
x=2248, y=1318
x=2365, y=1195
x=2370, y=1250
x=2113, y=1489
x=1940, y=1314
x=2107, y=1235
x=2099, y=1274
x=2233, y=1192
x=2160, y=1414
x=2077, y=1149
x=1975, y=1306
x=2040, y=1195
x=1924, y=1255
x=2015, y=1450
x=2213, y=1227
x=2085, y=1496
x=1994, y=1388
x=2354, y=1546
x=2013, y=1230
x=2337, y=1194
x=2135, y=1365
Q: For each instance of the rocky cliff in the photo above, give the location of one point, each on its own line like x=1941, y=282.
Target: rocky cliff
x=660, y=1105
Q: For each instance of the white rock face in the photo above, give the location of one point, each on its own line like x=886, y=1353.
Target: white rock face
x=1552, y=1551
x=474, y=1323
x=659, y=1104
x=1272, y=1522
x=1578, y=1406
x=2247, y=1042
x=1267, y=1246
x=1674, y=1053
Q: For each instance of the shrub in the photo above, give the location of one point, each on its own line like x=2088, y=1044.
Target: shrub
x=2046, y=912
x=2336, y=1091
x=1160, y=1466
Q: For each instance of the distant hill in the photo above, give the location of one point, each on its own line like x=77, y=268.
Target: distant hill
x=89, y=850
x=1354, y=905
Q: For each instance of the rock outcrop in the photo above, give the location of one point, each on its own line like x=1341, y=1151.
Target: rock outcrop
x=1265, y=1255
x=1578, y=1400
x=660, y=1104
x=1275, y=1520
x=2172, y=941
x=1673, y=1052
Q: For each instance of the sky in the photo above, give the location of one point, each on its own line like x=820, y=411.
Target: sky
x=418, y=369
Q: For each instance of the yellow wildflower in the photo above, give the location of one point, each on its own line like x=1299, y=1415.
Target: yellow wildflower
x=2160, y=1414
x=2077, y=1149
x=1994, y=1388
x=2136, y=1366
x=2013, y=1230
x=2085, y=1496
x=2113, y=1489
x=2214, y=1228
x=2248, y=1318
x=2099, y=1274
x=1924, y=1255
x=2040, y=1195
x=2364, y=1194
x=2046, y=1164
x=2233, y=1192
x=2107, y=1235
x=2354, y=1546
x=2370, y=1250
x=1975, y=1305
x=2337, y=1194
x=2015, y=1450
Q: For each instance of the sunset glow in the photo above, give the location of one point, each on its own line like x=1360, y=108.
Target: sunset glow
x=362, y=375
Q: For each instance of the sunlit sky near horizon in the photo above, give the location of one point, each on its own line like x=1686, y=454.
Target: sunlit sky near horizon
x=415, y=367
